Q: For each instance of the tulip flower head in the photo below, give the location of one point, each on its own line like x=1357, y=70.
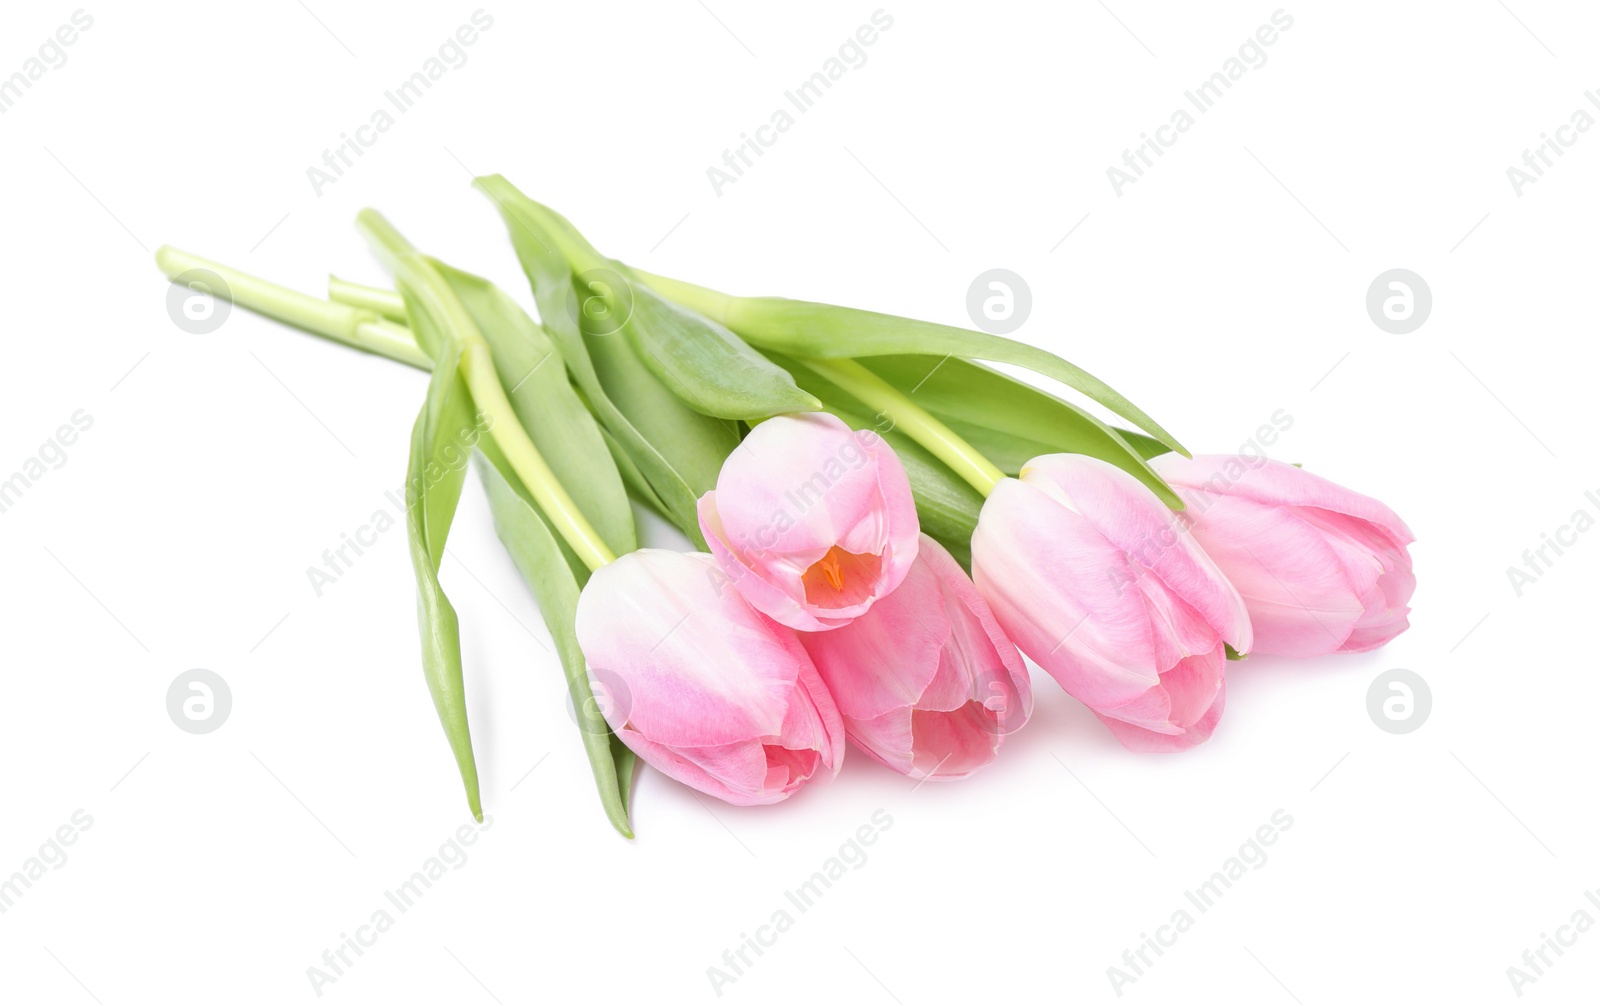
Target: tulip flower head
x=926, y=681
x=1321, y=569
x=702, y=687
x=1094, y=579
x=812, y=522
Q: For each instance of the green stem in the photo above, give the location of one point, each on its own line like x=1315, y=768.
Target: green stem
x=911, y=419
x=352, y=325
x=371, y=298
x=477, y=369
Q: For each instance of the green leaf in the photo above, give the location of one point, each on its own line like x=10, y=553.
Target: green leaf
x=693, y=445
x=441, y=443
x=452, y=331
x=1147, y=446
x=713, y=370
x=677, y=450
x=708, y=367
x=555, y=419
x=1004, y=417
x=632, y=477
x=535, y=550
x=804, y=328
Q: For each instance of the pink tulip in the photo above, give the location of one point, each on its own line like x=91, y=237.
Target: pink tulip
x=812, y=522
x=926, y=681
x=1322, y=569
x=700, y=686
x=1092, y=577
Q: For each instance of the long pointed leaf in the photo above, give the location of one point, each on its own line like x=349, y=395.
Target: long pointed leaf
x=1147, y=446
x=534, y=549
x=712, y=370
x=446, y=326
x=441, y=443
x=678, y=455
x=804, y=328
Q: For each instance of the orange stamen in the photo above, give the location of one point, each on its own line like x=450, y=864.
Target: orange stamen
x=831, y=570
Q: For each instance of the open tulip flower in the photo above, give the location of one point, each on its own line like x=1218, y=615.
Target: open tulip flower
x=1322, y=569
x=812, y=521
x=1094, y=578
x=926, y=681
x=703, y=688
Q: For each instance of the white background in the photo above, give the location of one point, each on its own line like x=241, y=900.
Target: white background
x=1228, y=283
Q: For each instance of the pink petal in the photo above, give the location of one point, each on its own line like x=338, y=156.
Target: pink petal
x=952, y=745
x=1131, y=517
x=1304, y=595
x=747, y=773
x=1144, y=741
x=926, y=681
x=700, y=667
x=797, y=488
x=1063, y=594
x=1321, y=568
x=1276, y=484
x=886, y=658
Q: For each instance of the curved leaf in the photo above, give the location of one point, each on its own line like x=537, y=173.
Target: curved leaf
x=441, y=442
x=713, y=370
x=442, y=321
x=693, y=444
x=535, y=550
x=677, y=450
x=1148, y=447
x=804, y=328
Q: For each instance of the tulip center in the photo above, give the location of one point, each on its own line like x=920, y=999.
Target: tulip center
x=841, y=578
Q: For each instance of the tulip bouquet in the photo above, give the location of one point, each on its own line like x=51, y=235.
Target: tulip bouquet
x=840, y=473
